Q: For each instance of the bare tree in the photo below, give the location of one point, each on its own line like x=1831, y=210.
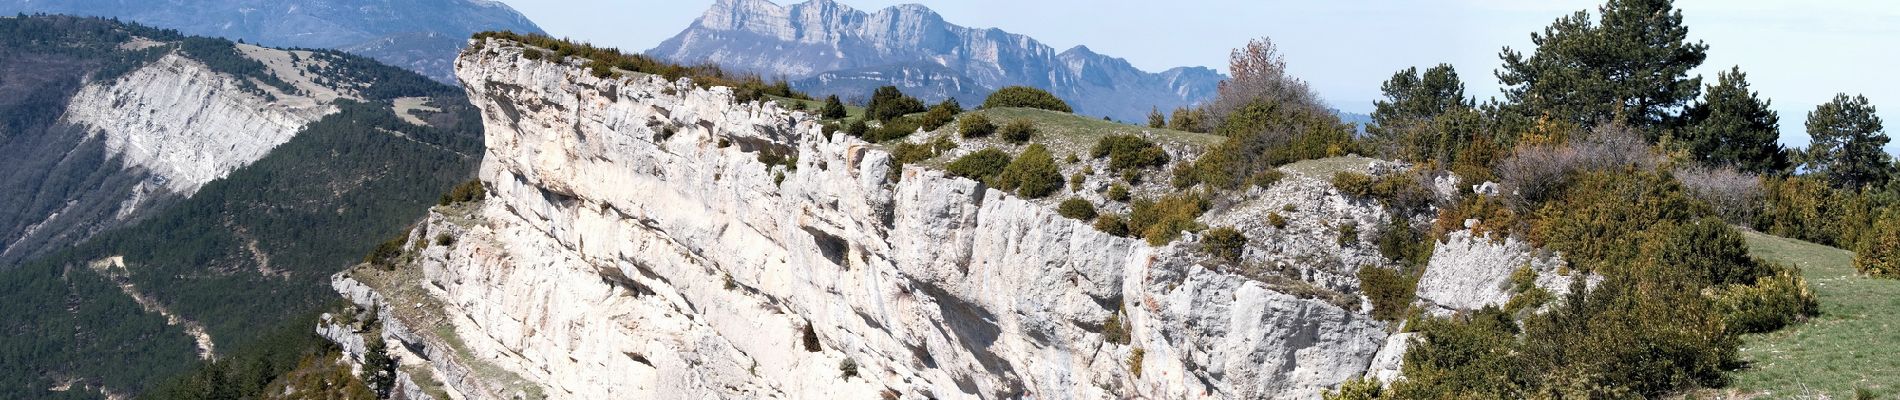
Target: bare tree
x=1734, y=194
x=1259, y=74
x=1535, y=174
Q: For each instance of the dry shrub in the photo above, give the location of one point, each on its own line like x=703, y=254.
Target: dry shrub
x=1735, y=195
x=1537, y=173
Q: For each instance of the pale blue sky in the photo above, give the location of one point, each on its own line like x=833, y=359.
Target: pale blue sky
x=1799, y=53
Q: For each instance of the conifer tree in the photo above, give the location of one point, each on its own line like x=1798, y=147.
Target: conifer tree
x=1631, y=66
x=1732, y=126
x=833, y=109
x=1847, y=143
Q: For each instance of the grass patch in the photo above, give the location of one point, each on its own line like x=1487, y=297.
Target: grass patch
x=1850, y=346
x=1326, y=168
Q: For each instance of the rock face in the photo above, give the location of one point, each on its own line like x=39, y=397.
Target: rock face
x=186, y=124
x=111, y=151
x=830, y=48
x=634, y=245
x=1469, y=272
x=420, y=35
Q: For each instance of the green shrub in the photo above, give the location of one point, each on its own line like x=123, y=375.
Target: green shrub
x=1771, y=303
x=1348, y=234
x=1076, y=181
x=1266, y=178
x=1113, y=330
x=1163, y=221
x=833, y=109
x=444, y=239
x=857, y=129
x=940, y=115
x=1026, y=97
x=1077, y=209
x=1134, y=361
x=897, y=128
x=1469, y=356
x=1132, y=177
x=387, y=253
x=1032, y=174
x=1390, y=292
x=1676, y=289
x=1400, y=242
x=887, y=103
x=847, y=368
x=1879, y=255
x=1118, y=192
x=975, y=126
x=1128, y=152
x=1225, y=243
x=1018, y=131
x=1278, y=222
x=1353, y=184
x=1264, y=135
x=1365, y=388
x=1183, y=176
x=464, y=192
x=983, y=165
x=1112, y=224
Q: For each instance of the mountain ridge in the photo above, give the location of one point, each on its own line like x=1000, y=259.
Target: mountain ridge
x=819, y=42
x=364, y=27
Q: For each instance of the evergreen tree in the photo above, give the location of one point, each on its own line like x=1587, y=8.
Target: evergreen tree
x=1156, y=119
x=1413, y=123
x=1411, y=96
x=379, y=369
x=1631, y=67
x=888, y=103
x=1847, y=143
x=833, y=109
x=1732, y=126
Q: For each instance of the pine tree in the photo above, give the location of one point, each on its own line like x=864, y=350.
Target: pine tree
x=1156, y=119
x=1407, y=124
x=833, y=109
x=1631, y=67
x=379, y=369
x=1733, y=126
x=888, y=103
x=1847, y=143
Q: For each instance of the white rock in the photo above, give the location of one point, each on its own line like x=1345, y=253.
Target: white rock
x=615, y=261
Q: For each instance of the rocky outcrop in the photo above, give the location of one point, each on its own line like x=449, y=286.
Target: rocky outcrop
x=1470, y=271
x=185, y=123
x=634, y=245
x=829, y=48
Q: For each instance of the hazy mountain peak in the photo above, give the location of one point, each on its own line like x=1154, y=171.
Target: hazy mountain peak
x=830, y=48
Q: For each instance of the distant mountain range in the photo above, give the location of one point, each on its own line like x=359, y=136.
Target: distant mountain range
x=828, y=48
x=420, y=35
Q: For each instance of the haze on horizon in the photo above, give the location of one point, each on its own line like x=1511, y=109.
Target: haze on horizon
x=1799, y=54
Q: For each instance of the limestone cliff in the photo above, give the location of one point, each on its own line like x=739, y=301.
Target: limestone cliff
x=634, y=244
x=147, y=138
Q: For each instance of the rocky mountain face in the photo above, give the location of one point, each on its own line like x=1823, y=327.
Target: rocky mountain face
x=420, y=35
x=829, y=48
x=635, y=244
x=108, y=150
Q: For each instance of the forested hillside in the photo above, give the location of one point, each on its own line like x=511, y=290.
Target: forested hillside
x=246, y=255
